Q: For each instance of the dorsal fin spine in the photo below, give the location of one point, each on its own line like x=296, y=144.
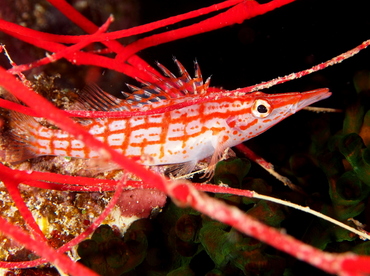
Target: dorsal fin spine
x=162, y=88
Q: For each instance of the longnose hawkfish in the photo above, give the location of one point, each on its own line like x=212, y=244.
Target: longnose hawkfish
x=209, y=123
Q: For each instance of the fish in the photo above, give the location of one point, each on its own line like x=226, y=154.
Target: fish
x=194, y=122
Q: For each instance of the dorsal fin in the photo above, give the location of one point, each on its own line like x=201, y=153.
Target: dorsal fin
x=185, y=84
x=93, y=98
x=169, y=87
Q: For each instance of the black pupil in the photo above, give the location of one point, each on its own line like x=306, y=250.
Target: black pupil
x=261, y=108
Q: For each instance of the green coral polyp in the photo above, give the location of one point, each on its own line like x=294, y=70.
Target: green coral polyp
x=109, y=254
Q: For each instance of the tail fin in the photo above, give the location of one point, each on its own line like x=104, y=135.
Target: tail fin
x=17, y=136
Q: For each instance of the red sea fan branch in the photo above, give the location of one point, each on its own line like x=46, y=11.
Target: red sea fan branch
x=237, y=14
x=341, y=264
x=64, y=52
x=89, y=27
x=318, y=67
x=234, y=15
x=39, y=247
x=21, y=176
x=70, y=53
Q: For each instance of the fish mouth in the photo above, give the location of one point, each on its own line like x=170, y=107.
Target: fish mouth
x=310, y=97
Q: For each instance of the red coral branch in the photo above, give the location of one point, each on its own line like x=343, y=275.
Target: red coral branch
x=186, y=195
x=90, y=27
x=11, y=185
x=42, y=249
x=14, y=192
x=62, y=51
x=237, y=14
x=318, y=67
x=234, y=15
x=65, y=52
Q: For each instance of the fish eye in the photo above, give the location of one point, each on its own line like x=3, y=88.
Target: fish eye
x=261, y=108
